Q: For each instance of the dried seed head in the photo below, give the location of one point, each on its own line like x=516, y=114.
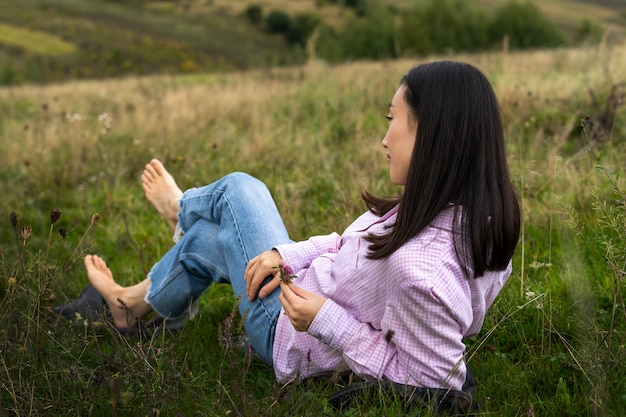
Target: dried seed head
x=55, y=214
x=63, y=232
x=14, y=219
x=25, y=232
x=389, y=335
x=95, y=218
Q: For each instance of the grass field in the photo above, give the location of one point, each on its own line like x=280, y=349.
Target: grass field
x=111, y=38
x=554, y=342
x=36, y=42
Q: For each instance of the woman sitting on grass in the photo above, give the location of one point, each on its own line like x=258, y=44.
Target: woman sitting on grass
x=393, y=297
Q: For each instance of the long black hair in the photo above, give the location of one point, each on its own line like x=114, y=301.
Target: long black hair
x=459, y=157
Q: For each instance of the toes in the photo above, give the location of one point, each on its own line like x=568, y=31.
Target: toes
x=148, y=175
x=96, y=263
x=157, y=165
x=146, y=181
x=153, y=171
x=100, y=263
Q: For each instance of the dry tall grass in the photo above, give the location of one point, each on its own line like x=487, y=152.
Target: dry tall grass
x=281, y=117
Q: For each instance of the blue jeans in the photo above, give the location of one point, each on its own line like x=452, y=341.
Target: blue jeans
x=225, y=224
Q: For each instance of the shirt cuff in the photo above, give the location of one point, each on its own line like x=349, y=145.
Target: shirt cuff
x=333, y=325
x=297, y=255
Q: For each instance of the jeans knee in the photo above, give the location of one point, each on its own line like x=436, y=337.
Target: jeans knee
x=240, y=178
x=245, y=184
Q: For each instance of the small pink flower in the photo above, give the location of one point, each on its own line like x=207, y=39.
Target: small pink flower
x=285, y=273
x=288, y=271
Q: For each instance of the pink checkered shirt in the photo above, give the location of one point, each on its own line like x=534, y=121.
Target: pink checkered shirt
x=401, y=319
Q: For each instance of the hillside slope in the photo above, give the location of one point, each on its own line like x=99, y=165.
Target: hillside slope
x=55, y=40
x=119, y=38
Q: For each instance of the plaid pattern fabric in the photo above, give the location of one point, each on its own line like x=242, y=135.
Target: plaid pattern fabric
x=401, y=319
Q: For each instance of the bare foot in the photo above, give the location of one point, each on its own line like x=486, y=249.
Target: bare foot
x=127, y=305
x=161, y=190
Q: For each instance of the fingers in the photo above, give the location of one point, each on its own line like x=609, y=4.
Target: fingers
x=253, y=278
x=269, y=287
x=257, y=271
x=286, y=299
x=249, y=273
x=301, y=306
x=294, y=310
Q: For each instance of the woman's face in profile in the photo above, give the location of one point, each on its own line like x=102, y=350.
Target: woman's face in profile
x=400, y=138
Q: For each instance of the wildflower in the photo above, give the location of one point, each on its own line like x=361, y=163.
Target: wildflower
x=538, y=265
x=285, y=273
x=95, y=218
x=12, y=281
x=55, y=214
x=25, y=232
x=105, y=119
x=14, y=218
x=74, y=117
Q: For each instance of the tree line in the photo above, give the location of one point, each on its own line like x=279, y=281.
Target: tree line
x=379, y=31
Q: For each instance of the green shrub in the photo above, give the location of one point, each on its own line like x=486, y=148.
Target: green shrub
x=254, y=13
x=278, y=22
x=8, y=75
x=361, y=7
x=301, y=29
x=588, y=32
x=328, y=44
x=370, y=37
x=444, y=26
x=525, y=27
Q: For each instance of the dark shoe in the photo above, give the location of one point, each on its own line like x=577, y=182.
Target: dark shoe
x=441, y=401
x=90, y=306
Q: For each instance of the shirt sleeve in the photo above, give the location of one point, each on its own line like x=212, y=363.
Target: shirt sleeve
x=299, y=255
x=419, y=342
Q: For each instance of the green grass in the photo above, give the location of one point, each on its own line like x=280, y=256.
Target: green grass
x=33, y=41
x=552, y=344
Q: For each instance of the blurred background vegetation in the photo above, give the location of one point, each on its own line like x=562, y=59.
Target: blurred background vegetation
x=45, y=41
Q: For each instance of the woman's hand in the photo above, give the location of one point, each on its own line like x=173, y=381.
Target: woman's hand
x=258, y=269
x=300, y=305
